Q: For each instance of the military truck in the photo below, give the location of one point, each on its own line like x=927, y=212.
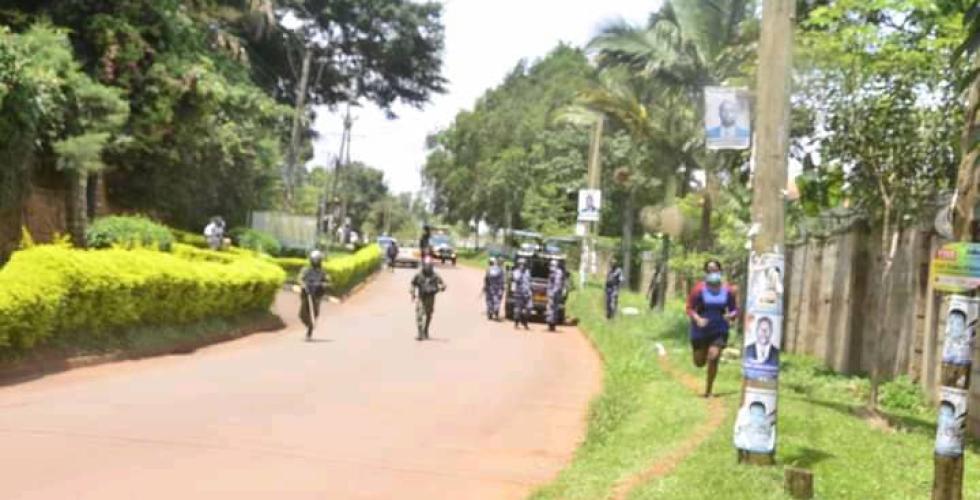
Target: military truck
x=531, y=247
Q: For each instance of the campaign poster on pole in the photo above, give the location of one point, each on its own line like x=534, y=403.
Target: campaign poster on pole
x=961, y=323
x=589, y=205
x=755, y=424
x=727, y=118
x=763, y=317
x=951, y=423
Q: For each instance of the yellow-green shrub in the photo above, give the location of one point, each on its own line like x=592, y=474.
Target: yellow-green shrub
x=51, y=291
x=345, y=272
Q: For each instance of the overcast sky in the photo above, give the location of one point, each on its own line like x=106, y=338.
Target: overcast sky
x=484, y=41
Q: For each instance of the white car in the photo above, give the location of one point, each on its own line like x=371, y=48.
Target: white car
x=408, y=256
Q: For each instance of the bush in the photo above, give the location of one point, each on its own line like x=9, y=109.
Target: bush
x=50, y=291
x=128, y=232
x=902, y=394
x=188, y=238
x=345, y=272
x=259, y=241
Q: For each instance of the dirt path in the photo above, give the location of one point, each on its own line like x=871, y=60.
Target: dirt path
x=482, y=411
x=666, y=464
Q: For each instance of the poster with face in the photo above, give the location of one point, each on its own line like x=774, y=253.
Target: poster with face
x=951, y=422
x=755, y=424
x=589, y=204
x=765, y=293
x=726, y=118
x=760, y=358
x=961, y=321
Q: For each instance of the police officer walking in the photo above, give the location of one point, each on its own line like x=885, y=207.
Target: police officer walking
x=425, y=285
x=521, y=288
x=614, y=280
x=493, y=289
x=314, y=282
x=556, y=293
x=392, y=254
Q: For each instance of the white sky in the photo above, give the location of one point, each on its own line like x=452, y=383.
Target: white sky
x=484, y=41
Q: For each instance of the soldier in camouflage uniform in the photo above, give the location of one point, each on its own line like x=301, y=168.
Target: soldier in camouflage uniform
x=614, y=280
x=556, y=293
x=314, y=282
x=521, y=288
x=493, y=289
x=425, y=285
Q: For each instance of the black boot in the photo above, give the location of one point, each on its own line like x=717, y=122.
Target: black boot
x=309, y=333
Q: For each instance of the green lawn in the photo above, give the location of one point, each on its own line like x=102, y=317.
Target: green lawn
x=643, y=413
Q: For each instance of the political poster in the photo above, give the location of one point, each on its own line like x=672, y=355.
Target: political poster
x=755, y=424
x=961, y=323
x=760, y=358
x=951, y=423
x=727, y=119
x=589, y=205
x=765, y=293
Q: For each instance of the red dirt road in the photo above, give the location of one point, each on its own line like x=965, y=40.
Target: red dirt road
x=481, y=411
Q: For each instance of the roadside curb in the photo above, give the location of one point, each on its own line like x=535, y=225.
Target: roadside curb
x=50, y=361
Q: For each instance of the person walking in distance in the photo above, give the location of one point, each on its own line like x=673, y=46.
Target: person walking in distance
x=493, y=289
x=556, y=293
x=314, y=282
x=425, y=285
x=392, y=253
x=711, y=306
x=614, y=280
x=520, y=283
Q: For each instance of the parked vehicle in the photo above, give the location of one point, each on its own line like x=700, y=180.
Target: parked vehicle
x=530, y=247
x=443, y=248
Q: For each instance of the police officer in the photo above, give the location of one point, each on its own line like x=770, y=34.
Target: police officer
x=424, y=240
x=493, y=289
x=556, y=293
x=521, y=288
x=392, y=254
x=614, y=280
x=314, y=282
x=425, y=285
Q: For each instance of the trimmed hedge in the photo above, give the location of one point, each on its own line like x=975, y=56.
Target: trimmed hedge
x=189, y=238
x=128, y=231
x=345, y=272
x=49, y=291
x=259, y=241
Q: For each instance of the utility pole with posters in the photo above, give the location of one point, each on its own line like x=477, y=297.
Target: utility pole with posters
x=586, y=260
x=755, y=426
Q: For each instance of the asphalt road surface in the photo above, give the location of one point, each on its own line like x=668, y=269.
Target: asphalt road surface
x=365, y=411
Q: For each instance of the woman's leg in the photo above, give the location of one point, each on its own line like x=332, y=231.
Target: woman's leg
x=700, y=354
x=714, y=353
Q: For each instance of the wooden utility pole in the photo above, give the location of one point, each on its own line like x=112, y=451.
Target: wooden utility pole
x=593, y=180
x=769, y=181
x=289, y=173
x=343, y=157
x=955, y=378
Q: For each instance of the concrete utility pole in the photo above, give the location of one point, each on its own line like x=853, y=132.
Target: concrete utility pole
x=343, y=158
x=289, y=174
x=760, y=378
x=586, y=264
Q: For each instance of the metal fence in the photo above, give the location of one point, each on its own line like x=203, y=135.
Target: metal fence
x=292, y=231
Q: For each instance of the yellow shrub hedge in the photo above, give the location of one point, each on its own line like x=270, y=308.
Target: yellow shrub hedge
x=53, y=290
x=345, y=272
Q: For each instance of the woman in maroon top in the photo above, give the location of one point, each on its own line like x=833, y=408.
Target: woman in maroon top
x=711, y=306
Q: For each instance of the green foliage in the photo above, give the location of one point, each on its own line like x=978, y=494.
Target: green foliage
x=128, y=232
x=193, y=239
x=256, y=240
x=50, y=291
x=345, y=272
x=902, y=394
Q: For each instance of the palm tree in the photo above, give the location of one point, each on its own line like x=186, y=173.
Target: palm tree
x=687, y=46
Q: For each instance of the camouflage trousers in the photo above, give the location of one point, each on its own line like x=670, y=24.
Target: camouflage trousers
x=494, y=297
x=612, y=301
x=554, y=305
x=523, y=306
x=424, y=307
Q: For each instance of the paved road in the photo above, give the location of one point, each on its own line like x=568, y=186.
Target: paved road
x=481, y=411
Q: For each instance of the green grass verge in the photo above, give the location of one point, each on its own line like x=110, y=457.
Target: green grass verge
x=472, y=258
x=641, y=414
x=819, y=424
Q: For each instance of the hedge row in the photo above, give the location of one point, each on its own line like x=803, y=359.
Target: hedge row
x=128, y=231
x=49, y=291
x=345, y=272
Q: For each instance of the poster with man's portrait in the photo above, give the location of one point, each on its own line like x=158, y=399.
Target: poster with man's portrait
x=961, y=323
x=765, y=293
x=589, y=205
x=760, y=358
x=951, y=422
x=727, y=123
x=755, y=424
